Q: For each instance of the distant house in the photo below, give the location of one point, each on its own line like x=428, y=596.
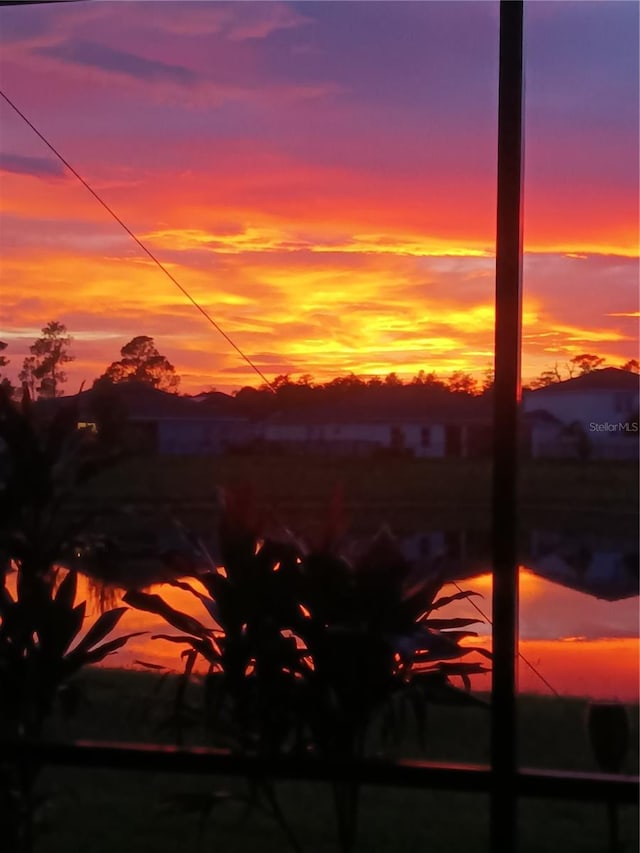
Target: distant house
x=180, y=425
x=458, y=425
x=597, y=414
x=153, y=421
x=546, y=437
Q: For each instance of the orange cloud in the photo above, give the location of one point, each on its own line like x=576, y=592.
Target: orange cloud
x=317, y=258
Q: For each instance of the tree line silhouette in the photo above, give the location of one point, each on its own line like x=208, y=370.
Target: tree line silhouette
x=140, y=361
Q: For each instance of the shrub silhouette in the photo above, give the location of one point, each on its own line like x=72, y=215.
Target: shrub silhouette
x=307, y=650
x=43, y=644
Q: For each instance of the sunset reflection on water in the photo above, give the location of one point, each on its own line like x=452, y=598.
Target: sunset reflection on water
x=579, y=644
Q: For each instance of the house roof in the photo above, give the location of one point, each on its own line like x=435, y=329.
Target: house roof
x=211, y=399
x=452, y=408
x=143, y=402
x=605, y=379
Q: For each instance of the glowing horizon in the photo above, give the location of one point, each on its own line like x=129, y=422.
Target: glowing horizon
x=333, y=215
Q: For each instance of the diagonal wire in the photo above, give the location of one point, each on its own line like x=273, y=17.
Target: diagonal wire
x=147, y=251
x=208, y=317
x=520, y=655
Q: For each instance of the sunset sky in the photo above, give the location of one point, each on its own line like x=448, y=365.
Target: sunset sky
x=321, y=177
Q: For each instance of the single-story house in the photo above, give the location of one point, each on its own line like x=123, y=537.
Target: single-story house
x=545, y=437
x=458, y=425
x=596, y=416
x=154, y=421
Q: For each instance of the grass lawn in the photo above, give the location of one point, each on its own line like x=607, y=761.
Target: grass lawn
x=104, y=811
x=409, y=494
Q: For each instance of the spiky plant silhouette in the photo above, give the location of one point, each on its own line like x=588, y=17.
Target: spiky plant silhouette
x=308, y=650
x=44, y=642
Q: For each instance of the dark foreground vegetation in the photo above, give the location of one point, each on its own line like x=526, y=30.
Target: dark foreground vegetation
x=104, y=811
x=151, y=813
x=309, y=648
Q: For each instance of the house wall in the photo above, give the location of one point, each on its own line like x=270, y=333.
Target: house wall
x=361, y=435
x=547, y=442
x=564, y=447
x=347, y=439
x=615, y=447
x=425, y=440
x=376, y=435
x=196, y=437
x=585, y=407
x=601, y=414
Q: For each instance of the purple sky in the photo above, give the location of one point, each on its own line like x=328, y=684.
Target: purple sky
x=321, y=176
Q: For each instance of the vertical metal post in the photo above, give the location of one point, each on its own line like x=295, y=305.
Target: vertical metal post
x=505, y=450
